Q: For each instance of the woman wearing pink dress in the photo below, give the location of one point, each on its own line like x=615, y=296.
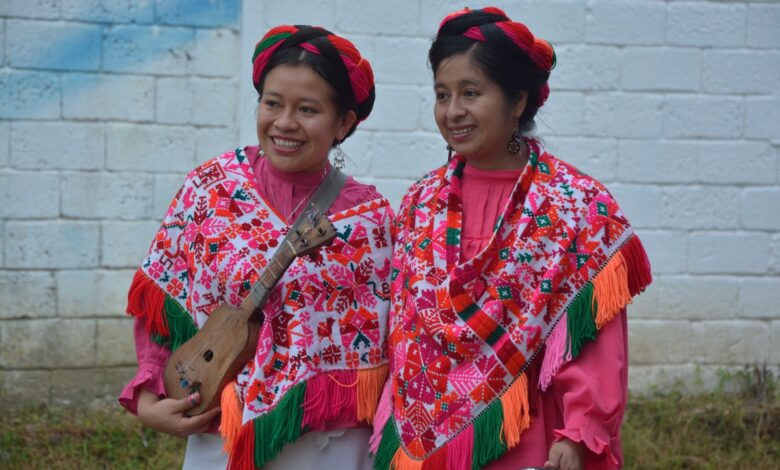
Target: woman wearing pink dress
x=308, y=394
x=511, y=274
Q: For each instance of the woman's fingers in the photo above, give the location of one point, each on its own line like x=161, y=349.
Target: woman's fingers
x=199, y=423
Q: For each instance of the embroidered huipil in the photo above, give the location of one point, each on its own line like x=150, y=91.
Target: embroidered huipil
x=473, y=339
x=323, y=339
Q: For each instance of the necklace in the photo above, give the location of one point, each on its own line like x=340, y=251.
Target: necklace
x=304, y=200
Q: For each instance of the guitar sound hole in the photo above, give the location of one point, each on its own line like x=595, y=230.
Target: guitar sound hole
x=208, y=355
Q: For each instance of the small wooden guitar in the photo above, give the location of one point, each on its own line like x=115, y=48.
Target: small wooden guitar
x=228, y=340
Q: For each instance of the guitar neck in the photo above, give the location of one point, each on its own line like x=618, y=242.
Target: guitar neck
x=274, y=270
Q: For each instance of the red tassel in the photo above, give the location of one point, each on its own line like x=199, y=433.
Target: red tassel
x=639, y=275
x=243, y=455
x=532, y=373
x=146, y=300
x=436, y=461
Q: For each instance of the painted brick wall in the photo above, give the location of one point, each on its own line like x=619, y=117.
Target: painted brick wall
x=104, y=106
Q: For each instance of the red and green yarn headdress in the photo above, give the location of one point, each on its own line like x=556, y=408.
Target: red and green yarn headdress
x=491, y=25
x=333, y=48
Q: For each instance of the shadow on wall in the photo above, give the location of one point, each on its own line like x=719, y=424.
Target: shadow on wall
x=162, y=37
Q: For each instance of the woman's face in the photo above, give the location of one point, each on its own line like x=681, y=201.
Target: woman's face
x=298, y=120
x=474, y=116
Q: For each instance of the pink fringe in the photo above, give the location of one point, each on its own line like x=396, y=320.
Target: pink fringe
x=554, y=354
x=459, y=450
x=383, y=411
x=330, y=398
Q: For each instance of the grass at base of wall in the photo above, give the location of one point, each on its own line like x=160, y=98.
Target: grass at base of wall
x=36, y=438
x=737, y=426
x=735, y=429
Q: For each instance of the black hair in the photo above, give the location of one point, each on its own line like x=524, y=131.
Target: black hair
x=328, y=65
x=498, y=57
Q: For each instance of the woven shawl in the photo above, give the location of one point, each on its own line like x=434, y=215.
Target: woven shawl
x=467, y=337
x=320, y=358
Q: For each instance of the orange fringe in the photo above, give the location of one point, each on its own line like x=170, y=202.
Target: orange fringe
x=369, y=388
x=517, y=413
x=401, y=461
x=243, y=456
x=146, y=300
x=610, y=290
x=232, y=415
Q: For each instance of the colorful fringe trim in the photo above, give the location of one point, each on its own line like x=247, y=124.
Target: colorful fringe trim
x=166, y=320
x=601, y=300
x=496, y=429
x=325, y=401
x=231, y=414
x=500, y=426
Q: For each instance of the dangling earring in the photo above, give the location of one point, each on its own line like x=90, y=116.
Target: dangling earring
x=339, y=157
x=515, y=144
x=449, y=152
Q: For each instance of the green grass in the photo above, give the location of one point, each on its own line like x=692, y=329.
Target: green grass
x=36, y=438
x=735, y=429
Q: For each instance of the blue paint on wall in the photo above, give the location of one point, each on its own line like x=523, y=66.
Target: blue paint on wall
x=30, y=95
x=208, y=13
x=148, y=49
x=43, y=45
x=162, y=48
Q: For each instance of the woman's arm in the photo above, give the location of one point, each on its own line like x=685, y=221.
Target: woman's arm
x=591, y=393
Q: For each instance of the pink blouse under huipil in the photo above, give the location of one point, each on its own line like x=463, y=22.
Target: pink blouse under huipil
x=586, y=399
x=284, y=192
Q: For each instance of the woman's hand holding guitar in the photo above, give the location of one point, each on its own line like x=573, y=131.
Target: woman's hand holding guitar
x=167, y=415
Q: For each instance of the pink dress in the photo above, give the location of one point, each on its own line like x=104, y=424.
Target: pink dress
x=286, y=194
x=586, y=399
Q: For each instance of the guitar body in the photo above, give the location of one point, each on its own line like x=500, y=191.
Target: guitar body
x=220, y=350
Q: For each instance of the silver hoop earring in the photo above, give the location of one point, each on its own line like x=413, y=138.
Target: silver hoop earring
x=339, y=157
x=515, y=144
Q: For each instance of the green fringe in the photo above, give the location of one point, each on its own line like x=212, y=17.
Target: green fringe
x=489, y=442
x=280, y=426
x=387, y=447
x=180, y=325
x=581, y=323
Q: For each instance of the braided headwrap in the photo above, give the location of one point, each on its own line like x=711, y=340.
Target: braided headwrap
x=492, y=26
x=335, y=49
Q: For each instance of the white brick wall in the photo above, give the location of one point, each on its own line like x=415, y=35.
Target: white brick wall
x=104, y=106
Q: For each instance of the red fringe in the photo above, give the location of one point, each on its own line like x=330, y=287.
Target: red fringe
x=146, y=300
x=532, y=374
x=330, y=399
x=436, y=461
x=243, y=456
x=639, y=275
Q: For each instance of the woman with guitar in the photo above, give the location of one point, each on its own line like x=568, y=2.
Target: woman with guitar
x=244, y=323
